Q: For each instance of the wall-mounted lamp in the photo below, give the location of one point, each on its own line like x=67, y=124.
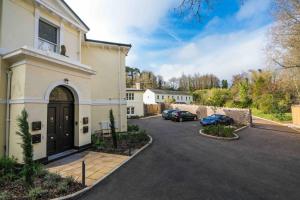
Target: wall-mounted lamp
x=66, y=81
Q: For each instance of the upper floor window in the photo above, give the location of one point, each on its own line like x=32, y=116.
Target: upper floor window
x=48, y=37
x=130, y=96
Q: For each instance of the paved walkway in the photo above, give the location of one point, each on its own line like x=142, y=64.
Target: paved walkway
x=97, y=165
x=268, y=125
x=183, y=165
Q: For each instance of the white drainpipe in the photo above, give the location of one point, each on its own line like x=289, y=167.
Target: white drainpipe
x=9, y=73
x=119, y=73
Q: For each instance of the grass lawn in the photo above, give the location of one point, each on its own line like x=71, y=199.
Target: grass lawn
x=285, y=118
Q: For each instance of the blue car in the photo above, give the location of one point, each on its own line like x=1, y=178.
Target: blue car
x=216, y=119
x=167, y=114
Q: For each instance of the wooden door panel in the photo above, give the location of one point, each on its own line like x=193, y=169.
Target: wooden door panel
x=60, y=130
x=67, y=126
x=52, y=130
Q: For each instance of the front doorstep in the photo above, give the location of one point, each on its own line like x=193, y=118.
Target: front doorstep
x=61, y=155
x=64, y=154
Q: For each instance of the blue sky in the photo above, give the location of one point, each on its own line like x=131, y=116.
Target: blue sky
x=229, y=39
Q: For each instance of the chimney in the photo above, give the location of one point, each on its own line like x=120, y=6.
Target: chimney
x=138, y=86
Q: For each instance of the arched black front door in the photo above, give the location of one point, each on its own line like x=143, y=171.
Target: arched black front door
x=60, y=124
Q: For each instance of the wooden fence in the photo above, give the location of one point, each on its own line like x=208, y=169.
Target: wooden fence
x=154, y=109
x=296, y=114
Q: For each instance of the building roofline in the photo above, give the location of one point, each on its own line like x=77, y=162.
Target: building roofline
x=170, y=92
x=86, y=26
x=106, y=42
x=135, y=90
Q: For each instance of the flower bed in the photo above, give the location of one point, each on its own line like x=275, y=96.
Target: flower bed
x=45, y=185
x=219, y=131
x=128, y=141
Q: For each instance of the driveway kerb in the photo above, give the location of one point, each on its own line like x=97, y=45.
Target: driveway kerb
x=81, y=192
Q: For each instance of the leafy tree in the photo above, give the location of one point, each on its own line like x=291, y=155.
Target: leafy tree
x=26, y=146
x=224, y=84
x=266, y=103
x=132, y=74
x=218, y=97
x=244, y=89
x=112, y=128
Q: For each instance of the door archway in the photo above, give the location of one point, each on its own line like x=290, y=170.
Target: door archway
x=60, y=121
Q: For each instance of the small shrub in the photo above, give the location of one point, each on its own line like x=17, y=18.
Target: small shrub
x=63, y=187
x=7, y=165
x=39, y=170
x=5, y=195
x=36, y=193
x=132, y=128
x=51, y=180
x=69, y=180
x=219, y=130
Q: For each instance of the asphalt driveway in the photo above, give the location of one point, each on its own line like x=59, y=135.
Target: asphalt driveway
x=181, y=164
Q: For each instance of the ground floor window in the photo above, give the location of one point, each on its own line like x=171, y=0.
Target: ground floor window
x=130, y=110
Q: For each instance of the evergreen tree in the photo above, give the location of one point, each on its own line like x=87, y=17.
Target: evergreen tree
x=113, y=129
x=26, y=146
x=224, y=84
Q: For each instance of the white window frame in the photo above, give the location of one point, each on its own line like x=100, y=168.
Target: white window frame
x=60, y=30
x=57, y=48
x=128, y=110
x=130, y=96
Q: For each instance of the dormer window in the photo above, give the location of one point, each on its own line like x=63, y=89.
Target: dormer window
x=48, y=37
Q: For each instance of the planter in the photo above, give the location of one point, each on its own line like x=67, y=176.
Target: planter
x=236, y=136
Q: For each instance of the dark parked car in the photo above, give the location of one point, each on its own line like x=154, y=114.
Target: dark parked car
x=216, y=119
x=166, y=114
x=181, y=116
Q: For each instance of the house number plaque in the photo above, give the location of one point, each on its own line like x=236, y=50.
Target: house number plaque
x=85, y=129
x=85, y=120
x=36, y=138
x=36, y=126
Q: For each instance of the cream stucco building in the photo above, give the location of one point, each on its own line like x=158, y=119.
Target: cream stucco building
x=135, y=104
x=67, y=93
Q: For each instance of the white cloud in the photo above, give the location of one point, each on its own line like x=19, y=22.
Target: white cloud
x=252, y=8
x=121, y=20
x=220, y=54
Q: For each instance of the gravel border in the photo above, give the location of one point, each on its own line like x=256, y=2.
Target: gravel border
x=236, y=136
x=83, y=191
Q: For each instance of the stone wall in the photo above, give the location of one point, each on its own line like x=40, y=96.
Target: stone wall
x=240, y=116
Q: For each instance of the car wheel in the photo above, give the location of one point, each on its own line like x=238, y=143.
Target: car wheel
x=180, y=120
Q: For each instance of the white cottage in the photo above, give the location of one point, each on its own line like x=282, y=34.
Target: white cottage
x=154, y=96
